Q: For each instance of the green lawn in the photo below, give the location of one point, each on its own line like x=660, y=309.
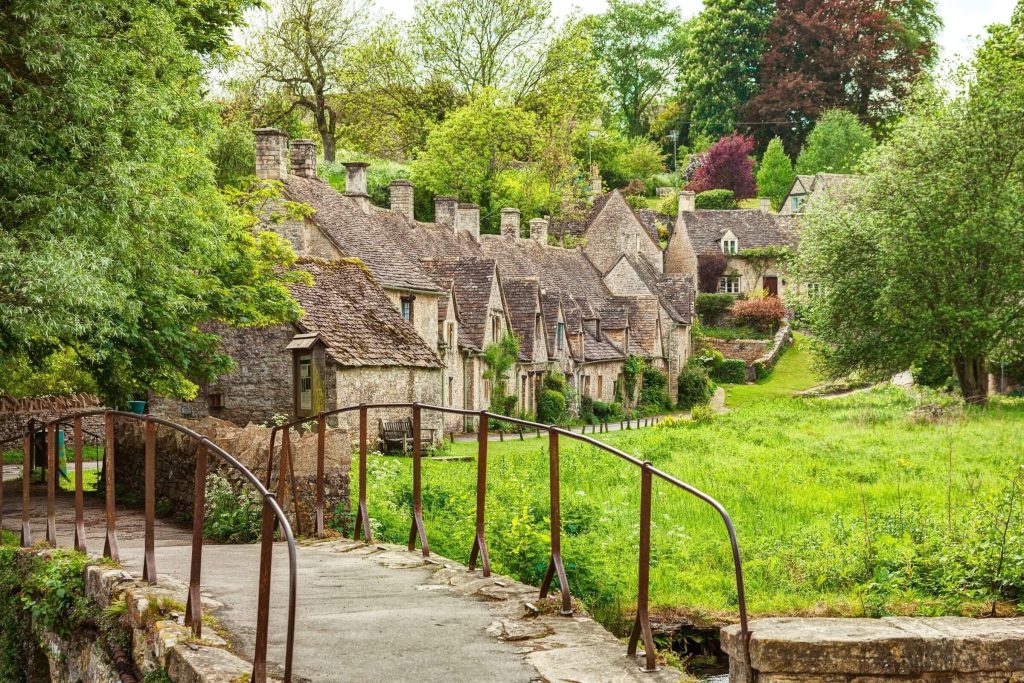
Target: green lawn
x=842, y=506
x=89, y=453
x=792, y=373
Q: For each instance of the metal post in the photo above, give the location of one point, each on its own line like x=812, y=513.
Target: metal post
x=642, y=625
x=363, y=521
x=417, y=528
x=321, y=436
x=194, y=606
x=110, y=542
x=480, y=542
x=149, y=558
x=80, y=544
x=283, y=468
x=51, y=485
x=26, y=471
x=555, y=563
x=259, y=658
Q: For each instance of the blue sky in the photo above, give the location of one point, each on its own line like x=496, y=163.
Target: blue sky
x=964, y=19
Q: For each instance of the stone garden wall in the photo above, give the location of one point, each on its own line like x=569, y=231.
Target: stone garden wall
x=16, y=412
x=175, y=466
x=820, y=650
x=756, y=353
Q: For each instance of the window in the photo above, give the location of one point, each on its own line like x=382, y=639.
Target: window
x=305, y=382
x=407, y=307
x=451, y=335
x=216, y=401
x=796, y=203
x=495, y=327
x=600, y=386
x=813, y=289
x=560, y=336
x=730, y=246
x=729, y=284
x=451, y=391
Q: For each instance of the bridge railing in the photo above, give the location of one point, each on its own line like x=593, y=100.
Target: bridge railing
x=271, y=514
x=641, y=627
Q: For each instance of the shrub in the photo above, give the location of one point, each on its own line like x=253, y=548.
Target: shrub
x=695, y=387
x=710, y=267
x=932, y=371
x=637, y=201
x=708, y=358
x=702, y=414
x=730, y=371
x=586, y=408
x=762, y=314
x=555, y=380
x=231, y=517
x=607, y=411
x=713, y=307
x=727, y=165
x=550, y=406
x=716, y=199
x=654, y=392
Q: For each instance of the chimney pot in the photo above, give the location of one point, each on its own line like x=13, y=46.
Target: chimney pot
x=539, y=230
x=765, y=204
x=401, y=191
x=271, y=153
x=687, y=201
x=444, y=210
x=355, y=184
x=467, y=219
x=510, y=219
x=304, y=158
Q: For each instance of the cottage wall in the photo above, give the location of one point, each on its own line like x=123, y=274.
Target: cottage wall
x=623, y=280
x=453, y=380
x=424, y=312
x=616, y=231
x=388, y=385
x=602, y=378
x=751, y=279
x=677, y=344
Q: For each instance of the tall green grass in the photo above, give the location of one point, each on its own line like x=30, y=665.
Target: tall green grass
x=843, y=506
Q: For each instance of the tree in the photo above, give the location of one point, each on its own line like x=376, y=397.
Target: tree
x=638, y=45
x=499, y=357
x=723, y=54
x=923, y=260
x=727, y=166
x=867, y=63
x=835, y=145
x=775, y=176
x=302, y=50
x=117, y=244
x=480, y=44
x=465, y=153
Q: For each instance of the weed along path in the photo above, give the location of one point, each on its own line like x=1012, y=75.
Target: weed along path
x=368, y=612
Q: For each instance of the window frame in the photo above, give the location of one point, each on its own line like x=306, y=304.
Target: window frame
x=730, y=247
x=729, y=284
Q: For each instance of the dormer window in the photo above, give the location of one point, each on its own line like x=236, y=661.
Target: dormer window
x=560, y=336
x=730, y=245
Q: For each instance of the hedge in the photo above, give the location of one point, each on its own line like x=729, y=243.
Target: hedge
x=695, y=387
x=550, y=406
x=713, y=307
x=730, y=371
x=716, y=199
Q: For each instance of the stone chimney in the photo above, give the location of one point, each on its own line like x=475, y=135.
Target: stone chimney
x=595, y=180
x=401, y=197
x=765, y=204
x=467, y=219
x=444, y=210
x=510, y=223
x=687, y=201
x=539, y=230
x=304, y=158
x=271, y=153
x=355, y=184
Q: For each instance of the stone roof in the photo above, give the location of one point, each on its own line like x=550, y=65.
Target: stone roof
x=564, y=270
x=752, y=228
x=355, y=234
x=598, y=350
x=802, y=184
x=472, y=280
x=650, y=219
x=643, y=323
x=355, y=318
x=833, y=184
x=675, y=292
x=550, y=303
x=521, y=298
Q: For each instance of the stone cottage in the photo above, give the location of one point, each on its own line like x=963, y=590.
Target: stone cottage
x=804, y=187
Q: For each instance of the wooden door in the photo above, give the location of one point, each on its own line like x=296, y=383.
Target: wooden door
x=771, y=285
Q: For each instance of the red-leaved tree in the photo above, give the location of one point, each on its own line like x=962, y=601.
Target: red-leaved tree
x=727, y=165
x=856, y=55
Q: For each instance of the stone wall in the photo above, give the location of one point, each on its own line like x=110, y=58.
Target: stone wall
x=175, y=465
x=388, y=385
x=756, y=353
x=16, y=413
x=820, y=650
x=617, y=231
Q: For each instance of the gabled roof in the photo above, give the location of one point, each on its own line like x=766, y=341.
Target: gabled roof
x=522, y=298
x=597, y=350
x=835, y=184
x=643, y=323
x=675, y=292
x=472, y=280
x=354, y=234
x=551, y=304
x=752, y=228
x=801, y=184
x=353, y=316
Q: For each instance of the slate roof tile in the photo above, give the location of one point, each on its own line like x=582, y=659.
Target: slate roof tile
x=752, y=228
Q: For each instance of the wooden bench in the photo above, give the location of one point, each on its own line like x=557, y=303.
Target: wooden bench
x=397, y=434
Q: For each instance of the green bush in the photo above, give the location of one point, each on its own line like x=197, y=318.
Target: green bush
x=716, y=199
x=654, y=392
x=712, y=308
x=555, y=380
x=231, y=517
x=708, y=358
x=932, y=371
x=730, y=371
x=586, y=408
x=607, y=411
x=550, y=406
x=695, y=387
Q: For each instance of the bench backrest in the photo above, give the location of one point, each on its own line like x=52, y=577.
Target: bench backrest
x=396, y=428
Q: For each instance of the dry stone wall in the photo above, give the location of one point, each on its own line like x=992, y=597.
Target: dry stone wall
x=15, y=414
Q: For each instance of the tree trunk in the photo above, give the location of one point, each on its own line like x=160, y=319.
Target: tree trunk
x=973, y=379
x=327, y=140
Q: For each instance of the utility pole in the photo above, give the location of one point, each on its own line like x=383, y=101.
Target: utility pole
x=590, y=149
x=674, y=135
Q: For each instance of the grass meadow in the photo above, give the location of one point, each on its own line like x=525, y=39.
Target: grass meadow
x=863, y=505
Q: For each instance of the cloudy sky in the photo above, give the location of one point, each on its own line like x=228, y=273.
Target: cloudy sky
x=964, y=19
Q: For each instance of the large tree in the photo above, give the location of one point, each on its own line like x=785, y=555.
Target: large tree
x=116, y=243
x=775, y=175
x=859, y=55
x=727, y=165
x=302, y=49
x=723, y=53
x=639, y=44
x=923, y=260
x=835, y=145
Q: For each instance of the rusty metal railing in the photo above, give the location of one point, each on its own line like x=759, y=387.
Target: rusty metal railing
x=556, y=569
x=271, y=514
